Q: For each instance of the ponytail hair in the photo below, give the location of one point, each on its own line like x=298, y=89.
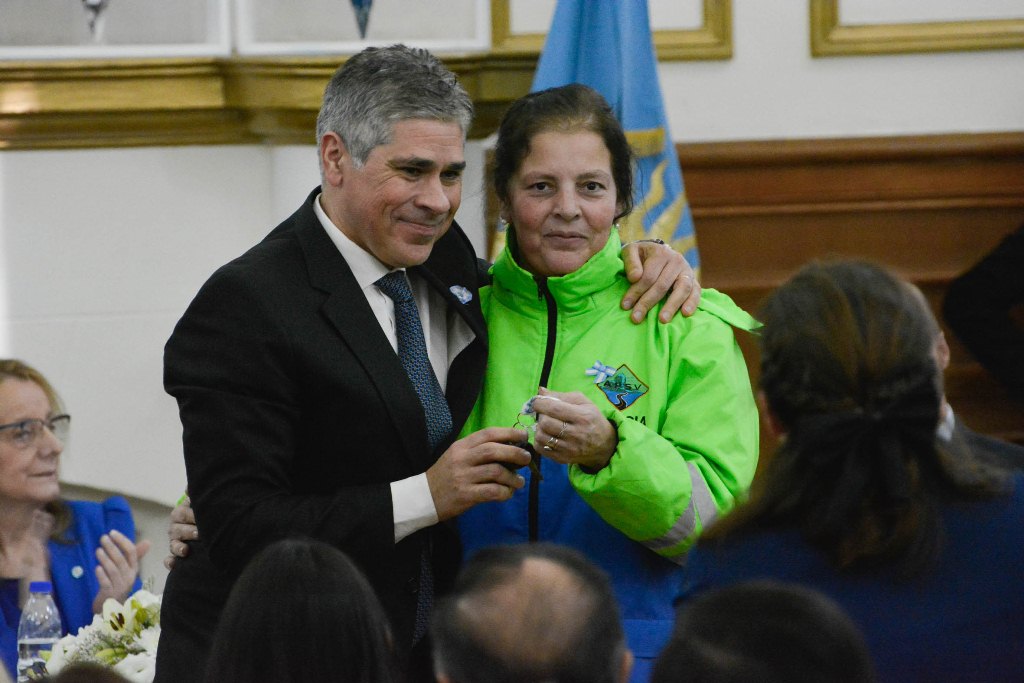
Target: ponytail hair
x=847, y=369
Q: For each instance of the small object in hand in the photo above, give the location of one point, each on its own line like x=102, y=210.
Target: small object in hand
x=534, y=460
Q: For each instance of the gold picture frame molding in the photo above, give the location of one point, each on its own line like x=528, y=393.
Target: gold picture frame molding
x=72, y=104
x=69, y=104
x=713, y=40
x=829, y=38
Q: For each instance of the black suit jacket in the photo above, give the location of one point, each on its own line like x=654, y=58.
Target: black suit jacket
x=979, y=307
x=296, y=417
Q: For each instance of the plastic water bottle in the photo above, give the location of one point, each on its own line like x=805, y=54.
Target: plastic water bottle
x=38, y=630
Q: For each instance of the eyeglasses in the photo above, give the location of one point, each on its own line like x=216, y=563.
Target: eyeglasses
x=27, y=432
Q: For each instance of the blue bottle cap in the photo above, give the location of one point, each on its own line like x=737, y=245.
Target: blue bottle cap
x=40, y=587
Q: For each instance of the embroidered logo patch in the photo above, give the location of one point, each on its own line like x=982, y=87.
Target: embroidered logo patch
x=622, y=388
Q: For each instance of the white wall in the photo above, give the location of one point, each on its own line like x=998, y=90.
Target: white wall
x=101, y=250
x=773, y=89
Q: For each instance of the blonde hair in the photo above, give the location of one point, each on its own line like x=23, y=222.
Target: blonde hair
x=12, y=368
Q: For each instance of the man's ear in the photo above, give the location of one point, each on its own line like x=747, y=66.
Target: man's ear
x=771, y=421
x=941, y=352
x=332, y=158
x=627, y=665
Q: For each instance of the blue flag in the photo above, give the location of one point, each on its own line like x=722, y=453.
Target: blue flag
x=607, y=45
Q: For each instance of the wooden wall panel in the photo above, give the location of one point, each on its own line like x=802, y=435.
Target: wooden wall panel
x=926, y=206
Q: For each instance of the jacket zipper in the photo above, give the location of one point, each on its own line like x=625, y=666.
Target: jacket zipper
x=549, y=356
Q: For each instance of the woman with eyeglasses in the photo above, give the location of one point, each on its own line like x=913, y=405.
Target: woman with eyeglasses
x=86, y=550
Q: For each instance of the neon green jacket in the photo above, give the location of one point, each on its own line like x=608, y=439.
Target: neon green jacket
x=679, y=395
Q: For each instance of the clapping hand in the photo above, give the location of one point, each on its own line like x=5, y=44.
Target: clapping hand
x=118, y=567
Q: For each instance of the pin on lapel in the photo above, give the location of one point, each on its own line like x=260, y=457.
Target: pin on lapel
x=461, y=293
x=77, y=571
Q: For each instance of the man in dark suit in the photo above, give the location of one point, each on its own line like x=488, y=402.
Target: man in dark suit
x=982, y=307
x=956, y=438
x=300, y=418
x=953, y=437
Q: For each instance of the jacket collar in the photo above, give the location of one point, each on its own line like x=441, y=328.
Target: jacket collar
x=574, y=292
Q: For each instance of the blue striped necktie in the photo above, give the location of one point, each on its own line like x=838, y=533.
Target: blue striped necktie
x=412, y=352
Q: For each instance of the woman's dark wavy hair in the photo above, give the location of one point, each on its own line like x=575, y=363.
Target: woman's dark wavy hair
x=302, y=611
x=847, y=368
x=568, y=108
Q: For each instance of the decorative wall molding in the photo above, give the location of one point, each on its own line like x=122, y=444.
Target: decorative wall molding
x=830, y=38
x=74, y=104
x=713, y=40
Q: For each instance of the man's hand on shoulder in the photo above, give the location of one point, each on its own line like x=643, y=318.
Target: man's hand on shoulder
x=657, y=270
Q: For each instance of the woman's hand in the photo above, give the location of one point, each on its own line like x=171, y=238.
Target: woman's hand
x=571, y=430
x=180, y=531
x=118, y=567
x=656, y=270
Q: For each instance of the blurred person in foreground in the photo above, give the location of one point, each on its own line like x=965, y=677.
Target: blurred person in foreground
x=644, y=434
x=86, y=550
x=86, y=673
x=530, y=613
x=764, y=632
x=301, y=611
x=921, y=549
x=323, y=376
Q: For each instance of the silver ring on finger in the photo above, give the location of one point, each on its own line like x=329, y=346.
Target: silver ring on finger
x=552, y=444
x=565, y=425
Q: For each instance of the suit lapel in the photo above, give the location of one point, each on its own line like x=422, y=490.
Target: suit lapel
x=350, y=315
x=452, y=266
x=452, y=263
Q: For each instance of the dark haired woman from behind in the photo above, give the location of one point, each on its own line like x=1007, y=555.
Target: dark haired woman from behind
x=302, y=611
x=923, y=552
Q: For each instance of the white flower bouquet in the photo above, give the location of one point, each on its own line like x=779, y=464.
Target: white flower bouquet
x=124, y=638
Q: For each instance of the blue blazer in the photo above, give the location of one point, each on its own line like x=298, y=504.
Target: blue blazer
x=72, y=571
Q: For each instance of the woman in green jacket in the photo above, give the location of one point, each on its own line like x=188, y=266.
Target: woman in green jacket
x=647, y=432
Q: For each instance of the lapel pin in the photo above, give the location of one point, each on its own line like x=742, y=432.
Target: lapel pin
x=461, y=293
x=77, y=571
